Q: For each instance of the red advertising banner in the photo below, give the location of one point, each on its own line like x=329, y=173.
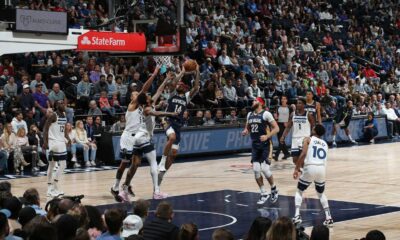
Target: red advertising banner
x=112, y=41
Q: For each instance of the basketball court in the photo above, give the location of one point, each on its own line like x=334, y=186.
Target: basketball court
x=362, y=186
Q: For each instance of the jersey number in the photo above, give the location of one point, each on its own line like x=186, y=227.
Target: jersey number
x=299, y=126
x=62, y=128
x=254, y=128
x=178, y=109
x=319, y=152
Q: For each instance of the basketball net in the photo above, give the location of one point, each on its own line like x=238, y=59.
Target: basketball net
x=163, y=61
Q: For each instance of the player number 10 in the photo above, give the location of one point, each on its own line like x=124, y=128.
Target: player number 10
x=319, y=152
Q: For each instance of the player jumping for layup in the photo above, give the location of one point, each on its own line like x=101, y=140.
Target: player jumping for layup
x=312, y=167
x=262, y=127
x=54, y=141
x=301, y=121
x=134, y=119
x=176, y=103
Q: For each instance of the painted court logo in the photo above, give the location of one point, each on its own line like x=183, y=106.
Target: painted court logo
x=86, y=41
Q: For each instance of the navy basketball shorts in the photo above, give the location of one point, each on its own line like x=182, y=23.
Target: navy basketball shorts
x=261, y=152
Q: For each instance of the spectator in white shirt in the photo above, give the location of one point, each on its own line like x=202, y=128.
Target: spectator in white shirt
x=224, y=59
x=306, y=46
x=393, y=119
x=253, y=91
x=19, y=122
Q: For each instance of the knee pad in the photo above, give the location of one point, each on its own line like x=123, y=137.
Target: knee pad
x=257, y=170
x=302, y=185
x=266, y=170
x=320, y=187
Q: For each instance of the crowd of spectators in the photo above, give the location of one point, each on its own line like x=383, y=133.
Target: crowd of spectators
x=68, y=219
x=339, y=50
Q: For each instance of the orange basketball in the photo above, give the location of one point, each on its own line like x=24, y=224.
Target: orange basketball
x=190, y=65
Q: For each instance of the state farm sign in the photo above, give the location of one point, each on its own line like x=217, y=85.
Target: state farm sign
x=111, y=41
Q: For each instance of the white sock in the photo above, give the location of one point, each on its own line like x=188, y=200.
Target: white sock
x=163, y=160
x=325, y=205
x=116, y=184
x=60, y=169
x=351, y=139
x=262, y=189
x=152, y=158
x=298, y=198
x=334, y=138
x=50, y=172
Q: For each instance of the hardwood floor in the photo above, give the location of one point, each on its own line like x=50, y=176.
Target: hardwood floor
x=362, y=174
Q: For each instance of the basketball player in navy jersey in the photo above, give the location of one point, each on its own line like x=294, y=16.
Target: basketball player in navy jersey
x=311, y=167
x=262, y=126
x=302, y=122
x=177, y=102
x=313, y=106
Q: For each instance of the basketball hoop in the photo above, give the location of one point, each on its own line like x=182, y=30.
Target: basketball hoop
x=163, y=61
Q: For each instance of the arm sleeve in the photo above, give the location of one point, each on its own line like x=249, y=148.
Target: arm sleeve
x=267, y=116
x=188, y=98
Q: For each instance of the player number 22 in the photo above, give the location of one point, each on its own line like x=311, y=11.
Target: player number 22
x=319, y=152
x=254, y=128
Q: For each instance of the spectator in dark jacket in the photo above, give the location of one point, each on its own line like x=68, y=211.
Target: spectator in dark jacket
x=101, y=85
x=26, y=100
x=370, y=128
x=161, y=227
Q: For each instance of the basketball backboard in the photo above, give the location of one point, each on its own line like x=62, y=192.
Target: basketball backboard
x=161, y=22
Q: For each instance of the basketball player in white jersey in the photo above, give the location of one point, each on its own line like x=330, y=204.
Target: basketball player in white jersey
x=143, y=142
x=54, y=140
x=302, y=122
x=134, y=119
x=311, y=167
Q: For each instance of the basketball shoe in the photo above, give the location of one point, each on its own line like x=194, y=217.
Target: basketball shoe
x=116, y=195
x=328, y=222
x=274, y=196
x=160, y=195
x=297, y=220
x=263, y=198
